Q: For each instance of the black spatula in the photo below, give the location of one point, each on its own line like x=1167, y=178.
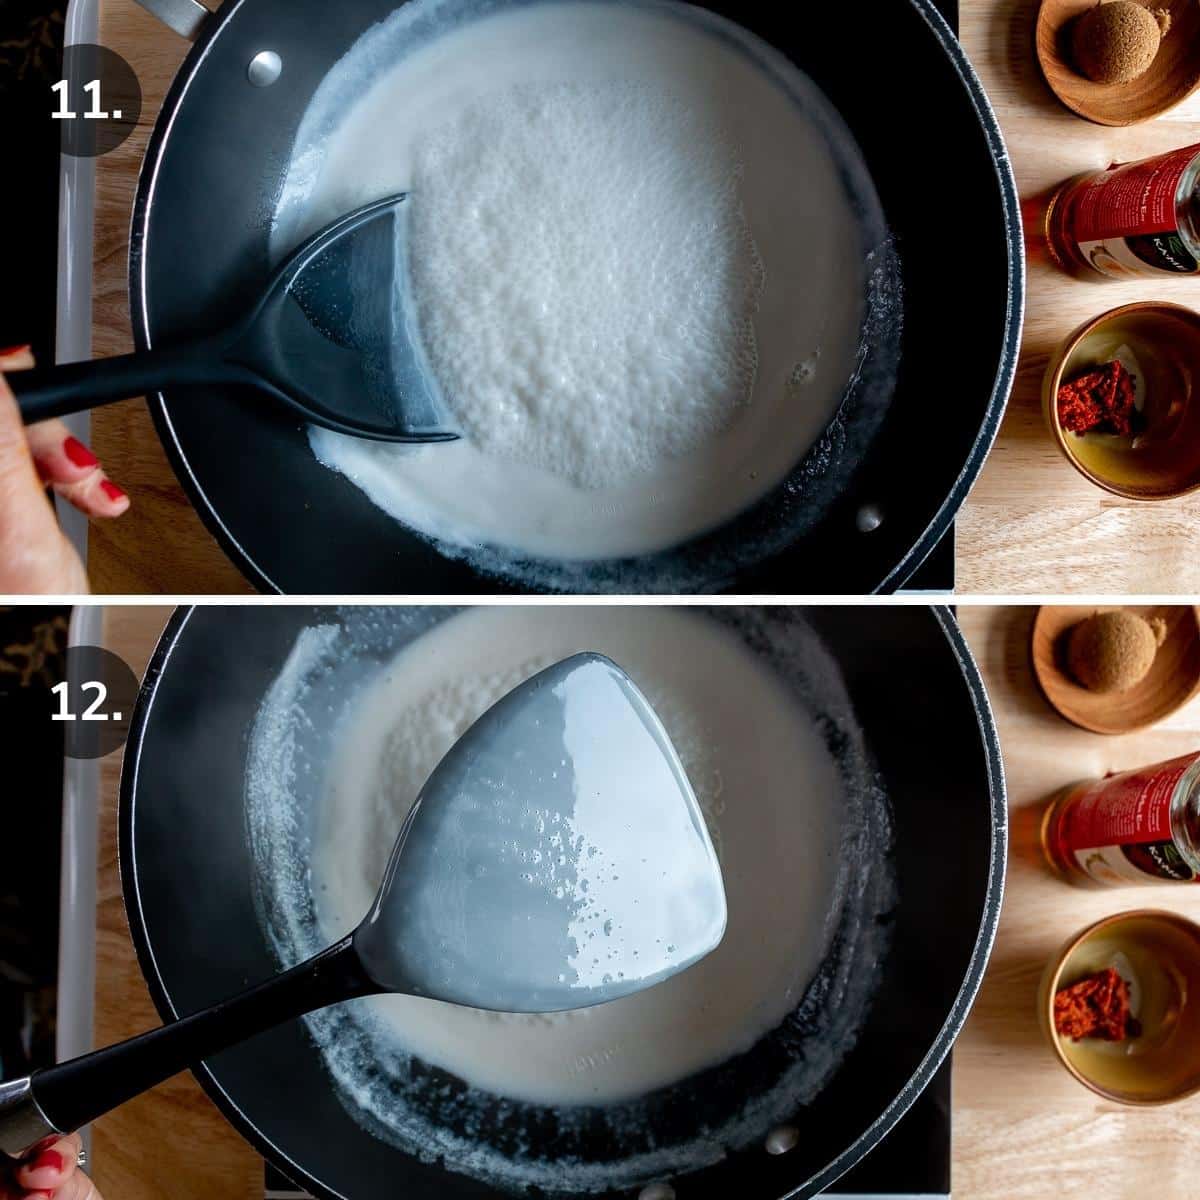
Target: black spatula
x=329, y=338
x=563, y=811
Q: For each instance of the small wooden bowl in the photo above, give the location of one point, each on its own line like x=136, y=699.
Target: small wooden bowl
x=1167, y=337
x=1171, y=77
x=1162, y=950
x=1172, y=681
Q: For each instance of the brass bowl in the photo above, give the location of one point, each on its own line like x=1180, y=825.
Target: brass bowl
x=1163, y=1063
x=1164, y=462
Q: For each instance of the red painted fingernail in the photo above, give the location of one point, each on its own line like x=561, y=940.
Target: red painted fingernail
x=111, y=490
x=79, y=454
x=48, y=1159
x=9, y=351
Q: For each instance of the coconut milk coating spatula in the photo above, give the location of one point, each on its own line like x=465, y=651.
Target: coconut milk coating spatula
x=555, y=859
x=329, y=338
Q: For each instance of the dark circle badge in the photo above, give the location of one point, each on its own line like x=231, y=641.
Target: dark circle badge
x=97, y=102
x=94, y=702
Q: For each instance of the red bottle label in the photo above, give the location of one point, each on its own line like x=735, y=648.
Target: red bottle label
x=1118, y=830
x=1134, y=200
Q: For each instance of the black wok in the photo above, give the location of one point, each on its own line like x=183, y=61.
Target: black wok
x=860, y=512
x=190, y=894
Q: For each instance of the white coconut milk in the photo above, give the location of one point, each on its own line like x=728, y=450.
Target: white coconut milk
x=772, y=797
x=636, y=261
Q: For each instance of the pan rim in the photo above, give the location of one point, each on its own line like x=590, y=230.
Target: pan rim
x=939, y=523
x=1014, y=316
x=989, y=922
x=943, y=1042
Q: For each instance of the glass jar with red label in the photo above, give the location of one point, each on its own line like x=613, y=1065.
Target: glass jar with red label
x=1134, y=219
x=1140, y=826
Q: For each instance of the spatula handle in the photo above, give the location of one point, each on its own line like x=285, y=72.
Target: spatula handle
x=72, y=387
x=62, y=1098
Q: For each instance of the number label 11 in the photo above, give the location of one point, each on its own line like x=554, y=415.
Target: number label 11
x=95, y=113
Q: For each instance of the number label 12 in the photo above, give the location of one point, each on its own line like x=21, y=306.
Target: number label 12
x=92, y=712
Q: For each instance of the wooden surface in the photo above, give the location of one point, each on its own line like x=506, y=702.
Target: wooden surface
x=1031, y=525
x=1022, y=1126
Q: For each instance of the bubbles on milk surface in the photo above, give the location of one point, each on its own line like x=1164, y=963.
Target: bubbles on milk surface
x=704, y=138
x=584, y=279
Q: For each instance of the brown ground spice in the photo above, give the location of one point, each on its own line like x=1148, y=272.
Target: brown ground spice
x=1113, y=651
x=1117, y=40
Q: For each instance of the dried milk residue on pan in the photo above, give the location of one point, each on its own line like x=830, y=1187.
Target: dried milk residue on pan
x=652, y=1085
x=649, y=274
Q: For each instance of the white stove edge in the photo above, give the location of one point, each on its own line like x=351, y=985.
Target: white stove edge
x=76, y=241
x=77, y=887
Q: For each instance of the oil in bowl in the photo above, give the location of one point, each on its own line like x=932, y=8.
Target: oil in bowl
x=1157, y=955
x=1148, y=448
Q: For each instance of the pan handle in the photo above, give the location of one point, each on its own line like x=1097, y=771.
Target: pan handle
x=185, y=17
x=61, y=1099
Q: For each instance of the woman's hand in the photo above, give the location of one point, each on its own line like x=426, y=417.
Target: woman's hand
x=51, y=1172
x=35, y=556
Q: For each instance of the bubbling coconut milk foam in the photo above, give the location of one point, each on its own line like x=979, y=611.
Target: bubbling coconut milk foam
x=769, y=743
x=637, y=247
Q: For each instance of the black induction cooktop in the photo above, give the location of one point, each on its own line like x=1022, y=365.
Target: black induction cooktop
x=914, y=1159
x=936, y=573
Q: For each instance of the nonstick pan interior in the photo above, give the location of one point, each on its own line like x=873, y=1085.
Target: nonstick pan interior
x=205, y=202
x=189, y=888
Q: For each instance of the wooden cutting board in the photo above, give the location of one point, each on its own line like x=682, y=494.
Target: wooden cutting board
x=1023, y=1128
x=1031, y=524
